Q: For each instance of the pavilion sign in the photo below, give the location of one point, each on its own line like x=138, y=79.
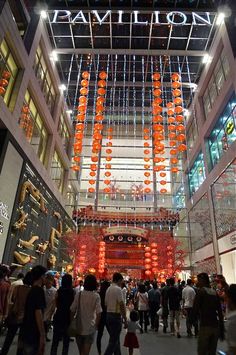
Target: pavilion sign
x=175, y=18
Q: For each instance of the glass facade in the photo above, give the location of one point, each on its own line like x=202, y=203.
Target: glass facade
x=224, y=200
x=64, y=132
x=44, y=78
x=57, y=171
x=192, y=134
x=218, y=78
x=33, y=126
x=196, y=174
x=8, y=72
x=200, y=224
x=224, y=132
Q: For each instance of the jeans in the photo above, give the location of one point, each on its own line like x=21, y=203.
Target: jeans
x=154, y=316
x=143, y=316
x=57, y=337
x=11, y=332
x=207, y=340
x=174, y=317
x=101, y=327
x=190, y=322
x=114, y=326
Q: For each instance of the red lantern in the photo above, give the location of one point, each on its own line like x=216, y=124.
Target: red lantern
x=148, y=272
x=163, y=182
x=147, y=174
x=182, y=147
x=157, y=84
x=176, y=92
x=75, y=167
x=178, y=101
x=107, y=190
x=2, y=90
x=99, y=118
x=176, y=85
x=175, y=76
x=6, y=74
x=174, y=160
x=163, y=191
x=91, y=190
x=181, y=137
x=147, y=182
x=102, y=75
x=100, y=100
x=174, y=170
x=102, y=83
x=84, y=83
x=179, y=118
x=107, y=173
x=156, y=76
x=178, y=109
x=147, y=190
x=157, y=119
x=107, y=182
x=85, y=75
x=3, y=82
x=157, y=92
x=173, y=151
x=94, y=159
x=101, y=91
x=92, y=173
x=92, y=182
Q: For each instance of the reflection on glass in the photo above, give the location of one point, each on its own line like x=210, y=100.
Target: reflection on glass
x=196, y=174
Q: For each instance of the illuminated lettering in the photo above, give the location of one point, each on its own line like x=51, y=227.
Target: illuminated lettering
x=80, y=16
x=61, y=14
x=206, y=21
x=171, y=15
x=136, y=21
x=101, y=20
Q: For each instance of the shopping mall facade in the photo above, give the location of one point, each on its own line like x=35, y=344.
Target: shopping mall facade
x=113, y=188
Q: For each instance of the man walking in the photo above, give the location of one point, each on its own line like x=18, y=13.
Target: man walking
x=207, y=306
x=154, y=299
x=174, y=307
x=115, y=312
x=188, y=295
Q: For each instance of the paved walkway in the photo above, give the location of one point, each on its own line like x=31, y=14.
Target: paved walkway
x=150, y=344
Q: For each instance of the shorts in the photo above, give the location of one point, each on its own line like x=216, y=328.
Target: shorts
x=85, y=339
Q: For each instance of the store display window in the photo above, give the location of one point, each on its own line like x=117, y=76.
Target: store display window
x=33, y=126
x=196, y=174
x=224, y=132
x=8, y=72
x=43, y=75
x=216, y=83
x=57, y=171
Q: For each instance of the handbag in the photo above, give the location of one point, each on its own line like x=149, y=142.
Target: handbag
x=74, y=328
x=160, y=311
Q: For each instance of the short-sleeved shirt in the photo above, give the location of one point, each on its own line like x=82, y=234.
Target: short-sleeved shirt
x=113, y=298
x=142, y=301
x=231, y=330
x=35, y=301
x=88, y=305
x=188, y=295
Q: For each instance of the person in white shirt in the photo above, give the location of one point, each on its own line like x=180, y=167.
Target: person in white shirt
x=188, y=296
x=50, y=294
x=124, y=291
x=18, y=282
x=143, y=307
x=115, y=312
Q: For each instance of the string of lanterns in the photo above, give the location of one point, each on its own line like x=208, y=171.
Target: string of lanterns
x=80, y=119
x=107, y=172
x=4, y=81
x=82, y=258
x=147, y=261
x=101, y=257
x=26, y=122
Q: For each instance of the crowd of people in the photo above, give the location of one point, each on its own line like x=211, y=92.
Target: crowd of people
x=34, y=304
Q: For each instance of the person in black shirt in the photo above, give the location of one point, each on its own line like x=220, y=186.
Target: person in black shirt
x=154, y=299
x=33, y=335
x=174, y=307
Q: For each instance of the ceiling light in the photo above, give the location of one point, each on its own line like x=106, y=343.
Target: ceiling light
x=206, y=59
x=43, y=14
x=54, y=56
x=62, y=87
x=69, y=112
x=194, y=87
x=220, y=18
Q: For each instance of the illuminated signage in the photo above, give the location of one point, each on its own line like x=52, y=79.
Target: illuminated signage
x=230, y=127
x=175, y=18
x=4, y=210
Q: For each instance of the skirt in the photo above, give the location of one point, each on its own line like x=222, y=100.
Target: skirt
x=131, y=341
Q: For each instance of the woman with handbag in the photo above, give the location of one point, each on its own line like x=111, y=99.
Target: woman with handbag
x=16, y=314
x=87, y=309
x=61, y=320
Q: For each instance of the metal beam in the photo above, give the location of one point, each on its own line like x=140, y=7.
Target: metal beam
x=118, y=51
x=137, y=84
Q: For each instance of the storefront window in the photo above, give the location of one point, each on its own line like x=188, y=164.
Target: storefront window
x=32, y=124
x=45, y=80
x=224, y=132
x=57, y=171
x=64, y=132
x=224, y=200
x=197, y=174
x=218, y=78
x=8, y=72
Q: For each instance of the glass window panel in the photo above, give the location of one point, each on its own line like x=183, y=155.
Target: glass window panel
x=225, y=65
x=212, y=91
x=219, y=78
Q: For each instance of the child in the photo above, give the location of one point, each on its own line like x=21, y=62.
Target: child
x=131, y=340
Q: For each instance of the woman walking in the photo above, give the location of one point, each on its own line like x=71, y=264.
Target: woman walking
x=87, y=308
x=61, y=320
x=142, y=298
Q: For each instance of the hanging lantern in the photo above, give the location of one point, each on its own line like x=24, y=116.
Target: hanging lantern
x=174, y=160
x=172, y=143
x=107, y=173
x=147, y=190
x=108, y=151
x=180, y=128
x=107, y=166
x=178, y=109
x=93, y=167
x=107, y=182
x=83, y=91
x=92, y=182
x=108, y=158
x=174, y=170
x=157, y=110
x=101, y=91
x=157, y=119
x=91, y=190
x=173, y=151
x=162, y=174
x=94, y=159
x=163, y=191
x=146, y=144
x=179, y=118
x=84, y=83
x=157, y=92
x=147, y=174
x=146, y=159
x=80, y=117
x=146, y=151
x=103, y=75
x=172, y=135
x=176, y=92
x=6, y=74
x=2, y=90
x=147, y=249
x=85, y=75
x=147, y=182
x=182, y=147
x=107, y=190
x=170, y=105
x=156, y=76
x=92, y=173
x=175, y=77
x=178, y=101
x=181, y=137
x=157, y=101
x=176, y=85
x=170, y=112
x=75, y=167
x=171, y=127
x=102, y=83
x=171, y=120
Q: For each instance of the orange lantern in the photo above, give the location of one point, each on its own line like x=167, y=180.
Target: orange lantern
x=174, y=160
x=107, y=173
x=157, y=92
x=96, y=146
x=147, y=182
x=170, y=105
x=157, y=84
x=171, y=127
x=84, y=83
x=146, y=151
x=163, y=182
x=107, y=166
x=107, y=182
x=102, y=75
x=170, y=112
x=173, y=151
x=85, y=75
x=93, y=167
x=163, y=191
x=97, y=136
x=91, y=189
x=178, y=101
x=83, y=91
x=75, y=167
x=92, y=173
x=162, y=174
x=159, y=128
x=80, y=117
x=180, y=128
x=175, y=76
x=92, y=182
x=146, y=137
x=157, y=160
x=176, y=85
x=157, y=119
x=101, y=83
x=101, y=91
x=98, y=126
x=146, y=159
x=100, y=109
x=3, y=82
x=108, y=151
x=109, y=129
x=82, y=100
x=76, y=159
x=82, y=108
x=182, y=147
x=172, y=143
x=179, y=118
x=107, y=190
x=146, y=130
x=109, y=137
x=174, y=170
x=156, y=76
x=178, y=109
x=146, y=144
x=146, y=166
x=171, y=120
x=100, y=100
x=157, y=110
x=158, y=137
x=99, y=118
x=79, y=135
x=159, y=148
x=94, y=159
x=181, y=137
x=176, y=92
x=172, y=135
x=157, y=101
x=79, y=126
x=109, y=144
x=108, y=158
x=147, y=190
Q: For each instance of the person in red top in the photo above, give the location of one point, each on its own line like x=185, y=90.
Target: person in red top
x=4, y=290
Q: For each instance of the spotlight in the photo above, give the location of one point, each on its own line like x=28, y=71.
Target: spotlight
x=220, y=18
x=54, y=56
x=206, y=59
x=43, y=14
x=62, y=87
x=69, y=112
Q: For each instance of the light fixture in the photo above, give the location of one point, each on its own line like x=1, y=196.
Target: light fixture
x=43, y=14
x=206, y=59
x=194, y=87
x=54, y=56
x=220, y=18
x=62, y=87
x=69, y=112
